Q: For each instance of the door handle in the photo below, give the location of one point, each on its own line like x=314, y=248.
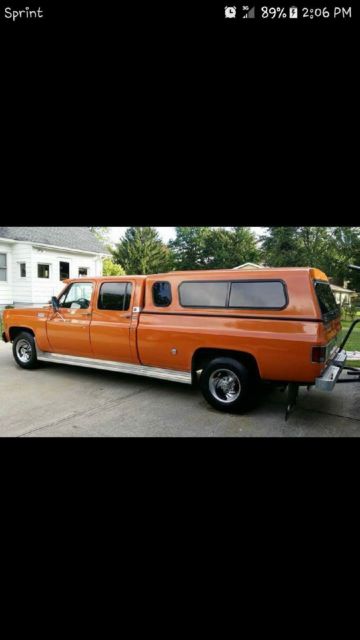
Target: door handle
x=129, y=316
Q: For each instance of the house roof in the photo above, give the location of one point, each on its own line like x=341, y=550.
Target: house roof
x=250, y=265
x=76, y=238
x=337, y=289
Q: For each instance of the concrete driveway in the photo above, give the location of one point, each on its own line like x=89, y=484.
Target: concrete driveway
x=58, y=400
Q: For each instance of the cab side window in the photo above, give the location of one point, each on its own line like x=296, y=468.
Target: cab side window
x=115, y=296
x=77, y=296
x=162, y=294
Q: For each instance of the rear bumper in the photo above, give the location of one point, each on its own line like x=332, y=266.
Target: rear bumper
x=329, y=377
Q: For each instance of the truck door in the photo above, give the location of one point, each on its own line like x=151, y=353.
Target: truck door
x=69, y=330
x=111, y=322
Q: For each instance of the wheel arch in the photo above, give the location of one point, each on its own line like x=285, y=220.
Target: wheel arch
x=202, y=356
x=15, y=331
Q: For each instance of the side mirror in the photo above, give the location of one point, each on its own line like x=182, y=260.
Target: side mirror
x=55, y=303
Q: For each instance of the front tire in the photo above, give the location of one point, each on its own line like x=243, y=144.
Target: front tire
x=24, y=351
x=225, y=384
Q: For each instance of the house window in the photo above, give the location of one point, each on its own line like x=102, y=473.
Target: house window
x=22, y=269
x=43, y=271
x=3, y=269
x=83, y=271
x=64, y=270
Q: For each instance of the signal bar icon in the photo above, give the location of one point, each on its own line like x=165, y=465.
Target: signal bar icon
x=250, y=13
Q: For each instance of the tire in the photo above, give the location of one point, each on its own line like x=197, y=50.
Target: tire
x=235, y=392
x=24, y=351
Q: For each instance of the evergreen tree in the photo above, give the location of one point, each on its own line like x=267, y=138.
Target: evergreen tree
x=244, y=247
x=141, y=251
x=189, y=248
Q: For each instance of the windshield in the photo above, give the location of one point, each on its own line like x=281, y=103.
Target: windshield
x=326, y=299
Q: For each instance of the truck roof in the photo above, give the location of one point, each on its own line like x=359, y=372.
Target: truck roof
x=201, y=273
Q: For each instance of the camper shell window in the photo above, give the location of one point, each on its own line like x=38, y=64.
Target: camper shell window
x=162, y=294
x=328, y=305
x=238, y=294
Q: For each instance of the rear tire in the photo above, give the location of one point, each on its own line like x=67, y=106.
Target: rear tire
x=226, y=385
x=24, y=351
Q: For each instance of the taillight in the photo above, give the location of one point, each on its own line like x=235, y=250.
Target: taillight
x=318, y=354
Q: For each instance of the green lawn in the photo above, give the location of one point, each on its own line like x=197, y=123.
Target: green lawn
x=353, y=343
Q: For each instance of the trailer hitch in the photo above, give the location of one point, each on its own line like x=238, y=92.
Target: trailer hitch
x=338, y=362
x=351, y=371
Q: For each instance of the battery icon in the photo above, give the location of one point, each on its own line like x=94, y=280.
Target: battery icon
x=293, y=12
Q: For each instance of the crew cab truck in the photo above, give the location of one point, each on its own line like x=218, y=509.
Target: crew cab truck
x=222, y=329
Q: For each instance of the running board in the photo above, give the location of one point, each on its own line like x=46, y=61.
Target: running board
x=118, y=367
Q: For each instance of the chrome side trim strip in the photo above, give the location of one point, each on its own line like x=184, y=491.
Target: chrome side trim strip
x=119, y=367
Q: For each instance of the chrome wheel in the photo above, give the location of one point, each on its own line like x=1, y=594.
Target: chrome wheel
x=23, y=351
x=224, y=385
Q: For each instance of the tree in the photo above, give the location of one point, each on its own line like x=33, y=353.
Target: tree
x=110, y=268
x=102, y=234
x=213, y=248
x=298, y=247
x=189, y=248
x=280, y=247
x=244, y=247
x=141, y=251
x=329, y=249
x=345, y=250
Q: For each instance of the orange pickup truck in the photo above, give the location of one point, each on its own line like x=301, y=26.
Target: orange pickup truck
x=221, y=329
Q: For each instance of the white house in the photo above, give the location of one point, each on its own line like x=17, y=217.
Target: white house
x=34, y=261
x=250, y=266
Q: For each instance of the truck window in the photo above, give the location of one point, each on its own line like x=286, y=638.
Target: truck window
x=257, y=295
x=115, y=296
x=161, y=294
x=77, y=296
x=203, y=294
x=327, y=302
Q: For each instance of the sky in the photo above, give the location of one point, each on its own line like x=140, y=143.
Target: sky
x=166, y=233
